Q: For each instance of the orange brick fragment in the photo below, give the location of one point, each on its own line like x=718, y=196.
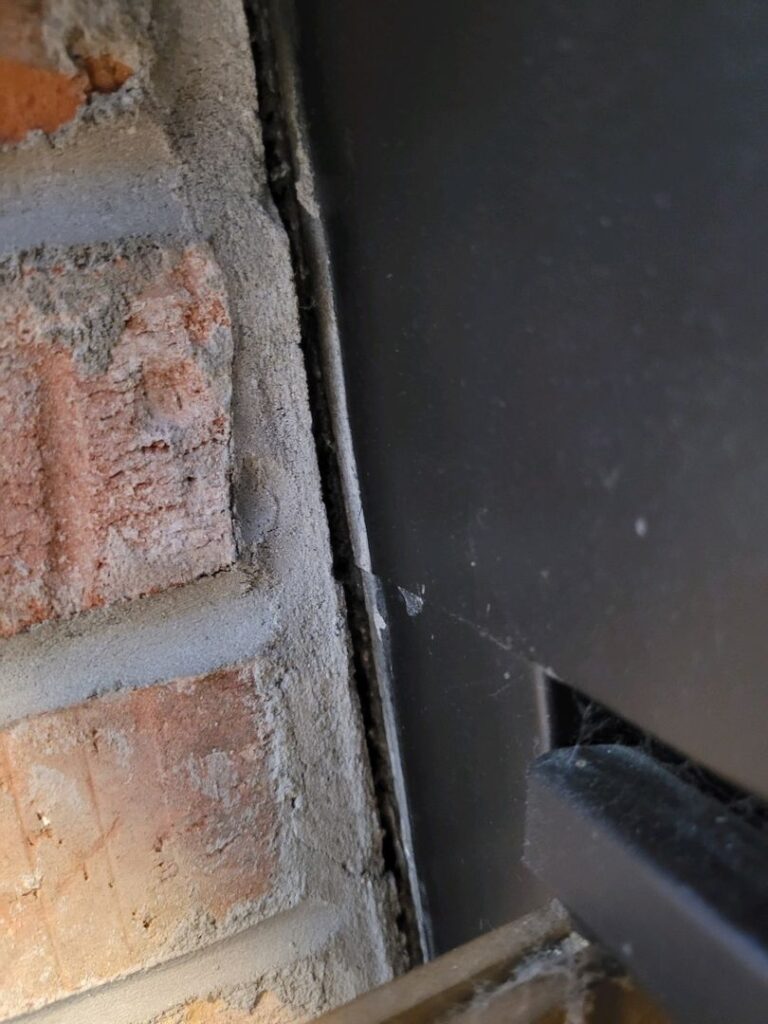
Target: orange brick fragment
x=106, y=73
x=46, y=69
x=32, y=98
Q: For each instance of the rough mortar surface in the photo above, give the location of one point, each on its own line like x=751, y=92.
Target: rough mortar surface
x=332, y=832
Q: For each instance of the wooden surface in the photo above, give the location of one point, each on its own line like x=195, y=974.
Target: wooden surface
x=617, y=1002
x=523, y=973
x=467, y=982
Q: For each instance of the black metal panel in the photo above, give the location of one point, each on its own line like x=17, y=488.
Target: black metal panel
x=470, y=727
x=668, y=879
x=548, y=225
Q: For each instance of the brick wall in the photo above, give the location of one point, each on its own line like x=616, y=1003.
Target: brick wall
x=186, y=827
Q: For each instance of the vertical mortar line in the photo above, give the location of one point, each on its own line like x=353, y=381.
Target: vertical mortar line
x=282, y=176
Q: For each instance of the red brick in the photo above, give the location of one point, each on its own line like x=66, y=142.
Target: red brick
x=132, y=826
x=45, y=80
x=114, y=396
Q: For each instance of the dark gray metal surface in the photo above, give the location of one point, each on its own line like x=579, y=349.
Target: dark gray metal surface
x=668, y=879
x=548, y=225
x=470, y=725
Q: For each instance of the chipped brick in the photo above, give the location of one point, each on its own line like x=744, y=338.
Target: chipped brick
x=49, y=64
x=35, y=98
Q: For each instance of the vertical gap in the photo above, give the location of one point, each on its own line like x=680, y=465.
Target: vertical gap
x=281, y=173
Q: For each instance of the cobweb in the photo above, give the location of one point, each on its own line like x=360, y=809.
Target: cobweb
x=582, y=722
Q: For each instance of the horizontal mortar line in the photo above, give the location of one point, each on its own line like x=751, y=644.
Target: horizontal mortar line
x=111, y=183
x=272, y=944
x=184, y=631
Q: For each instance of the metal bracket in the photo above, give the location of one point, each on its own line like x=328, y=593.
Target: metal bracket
x=668, y=879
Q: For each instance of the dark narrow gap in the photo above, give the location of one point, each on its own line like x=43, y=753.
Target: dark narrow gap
x=577, y=720
x=281, y=172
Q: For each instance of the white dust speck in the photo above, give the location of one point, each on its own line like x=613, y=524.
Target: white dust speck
x=413, y=602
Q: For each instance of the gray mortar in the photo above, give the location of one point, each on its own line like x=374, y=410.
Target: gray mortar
x=331, y=354
x=283, y=604
x=330, y=838
x=270, y=954
x=120, y=180
x=86, y=313
x=133, y=644
x=73, y=27
x=330, y=847
x=87, y=303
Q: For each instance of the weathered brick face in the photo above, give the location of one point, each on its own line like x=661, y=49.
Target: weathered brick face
x=133, y=826
x=114, y=402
